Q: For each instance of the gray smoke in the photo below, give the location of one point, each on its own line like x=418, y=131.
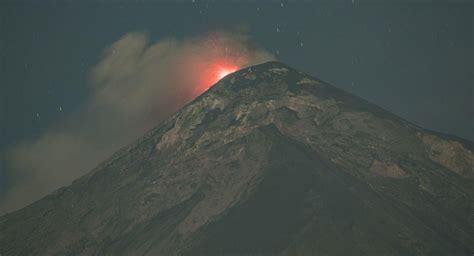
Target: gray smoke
x=135, y=85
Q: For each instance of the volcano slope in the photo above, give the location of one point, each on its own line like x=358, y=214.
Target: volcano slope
x=269, y=161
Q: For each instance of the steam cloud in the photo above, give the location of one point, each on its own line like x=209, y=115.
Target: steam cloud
x=136, y=85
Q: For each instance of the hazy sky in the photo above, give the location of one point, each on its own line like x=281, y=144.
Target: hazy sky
x=413, y=58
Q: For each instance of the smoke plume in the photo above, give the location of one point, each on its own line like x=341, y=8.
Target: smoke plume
x=134, y=86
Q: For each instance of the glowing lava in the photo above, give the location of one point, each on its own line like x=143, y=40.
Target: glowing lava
x=219, y=71
x=223, y=71
x=216, y=72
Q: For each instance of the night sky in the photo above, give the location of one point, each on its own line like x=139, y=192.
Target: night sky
x=413, y=58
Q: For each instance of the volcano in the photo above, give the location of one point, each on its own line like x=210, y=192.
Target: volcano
x=269, y=161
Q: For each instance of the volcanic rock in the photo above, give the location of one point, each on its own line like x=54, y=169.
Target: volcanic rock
x=269, y=161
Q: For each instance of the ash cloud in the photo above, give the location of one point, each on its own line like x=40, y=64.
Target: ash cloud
x=135, y=85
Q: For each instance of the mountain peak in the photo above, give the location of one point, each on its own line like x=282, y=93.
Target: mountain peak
x=270, y=68
x=266, y=66
x=263, y=78
x=268, y=161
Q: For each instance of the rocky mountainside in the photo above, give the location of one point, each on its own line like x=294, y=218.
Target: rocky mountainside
x=269, y=161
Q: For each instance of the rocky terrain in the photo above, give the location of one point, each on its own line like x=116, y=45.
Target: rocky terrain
x=269, y=161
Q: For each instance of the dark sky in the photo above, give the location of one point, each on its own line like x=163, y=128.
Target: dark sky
x=413, y=58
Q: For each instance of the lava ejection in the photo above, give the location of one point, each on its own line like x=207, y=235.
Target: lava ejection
x=208, y=72
x=217, y=71
x=218, y=55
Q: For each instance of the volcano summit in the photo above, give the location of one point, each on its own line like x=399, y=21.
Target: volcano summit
x=269, y=161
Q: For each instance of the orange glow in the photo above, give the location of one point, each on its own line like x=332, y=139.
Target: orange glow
x=216, y=72
x=218, y=58
x=223, y=71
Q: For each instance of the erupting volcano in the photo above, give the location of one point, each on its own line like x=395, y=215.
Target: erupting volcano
x=219, y=56
x=270, y=161
x=210, y=73
x=225, y=70
x=219, y=71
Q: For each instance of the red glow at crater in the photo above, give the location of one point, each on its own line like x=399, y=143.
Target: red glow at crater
x=219, y=56
x=216, y=72
x=223, y=71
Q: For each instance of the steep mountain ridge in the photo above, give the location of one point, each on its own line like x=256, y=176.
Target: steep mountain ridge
x=269, y=161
